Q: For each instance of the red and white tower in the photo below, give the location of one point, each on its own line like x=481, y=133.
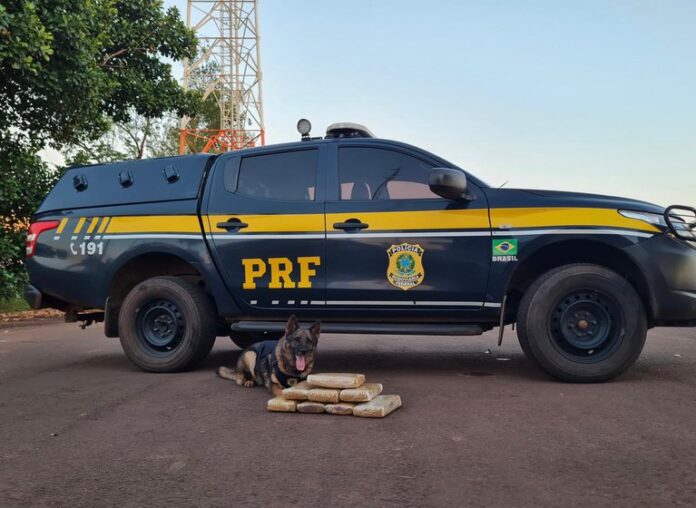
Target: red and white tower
x=228, y=70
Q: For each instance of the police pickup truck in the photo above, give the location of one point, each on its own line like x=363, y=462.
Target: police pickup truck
x=368, y=235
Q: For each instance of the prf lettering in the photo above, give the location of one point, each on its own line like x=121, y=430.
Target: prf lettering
x=281, y=272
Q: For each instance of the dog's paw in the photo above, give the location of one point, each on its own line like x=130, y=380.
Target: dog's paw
x=248, y=384
x=227, y=373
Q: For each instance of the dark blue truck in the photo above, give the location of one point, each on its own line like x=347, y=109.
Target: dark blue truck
x=368, y=235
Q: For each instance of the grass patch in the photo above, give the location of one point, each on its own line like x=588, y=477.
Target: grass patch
x=13, y=305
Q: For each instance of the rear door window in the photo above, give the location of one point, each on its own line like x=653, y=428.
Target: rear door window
x=286, y=176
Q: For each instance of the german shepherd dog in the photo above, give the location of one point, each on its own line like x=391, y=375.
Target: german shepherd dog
x=277, y=364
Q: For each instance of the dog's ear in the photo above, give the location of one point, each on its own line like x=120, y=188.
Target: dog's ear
x=292, y=325
x=315, y=330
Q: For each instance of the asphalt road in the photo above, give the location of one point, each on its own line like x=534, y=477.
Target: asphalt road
x=80, y=426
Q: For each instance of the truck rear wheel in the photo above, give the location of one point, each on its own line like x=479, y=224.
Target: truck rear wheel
x=167, y=324
x=582, y=323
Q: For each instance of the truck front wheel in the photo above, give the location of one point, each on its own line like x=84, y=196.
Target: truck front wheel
x=582, y=323
x=167, y=324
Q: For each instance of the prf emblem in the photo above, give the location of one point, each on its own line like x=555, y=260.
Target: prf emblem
x=405, y=269
x=283, y=272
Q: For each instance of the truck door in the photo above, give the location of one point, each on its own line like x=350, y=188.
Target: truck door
x=265, y=218
x=393, y=246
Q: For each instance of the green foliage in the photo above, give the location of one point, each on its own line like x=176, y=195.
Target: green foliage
x=103, y=150
x=12, y=277
x=138, y=138
x=69, y=69
x=29, y=42
x=208, y=116
x=13, y=305
x=25, y=181
x=69, y=66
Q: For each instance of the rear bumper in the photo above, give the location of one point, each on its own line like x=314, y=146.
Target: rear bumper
x=669, y=267
x=33, y=296
x=37, y=299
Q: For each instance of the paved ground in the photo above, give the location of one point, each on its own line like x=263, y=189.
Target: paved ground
x=79, y=426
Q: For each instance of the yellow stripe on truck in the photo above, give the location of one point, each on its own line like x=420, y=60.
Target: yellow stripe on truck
x=512, y=218
x=79, y=225
x=415, y=220
x=92, y=224
x=420, y=220
x=285, y=223
x=154, y=224
x=102, y=226
x=61, y=226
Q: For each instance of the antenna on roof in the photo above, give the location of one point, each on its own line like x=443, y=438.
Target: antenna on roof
x=348, y=130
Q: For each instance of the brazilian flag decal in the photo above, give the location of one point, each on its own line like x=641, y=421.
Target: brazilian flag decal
x=505, y=247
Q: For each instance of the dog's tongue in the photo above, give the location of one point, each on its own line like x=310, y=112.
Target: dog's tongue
x=300, y=362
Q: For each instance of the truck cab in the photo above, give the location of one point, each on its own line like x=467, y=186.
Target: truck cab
x=367, y=235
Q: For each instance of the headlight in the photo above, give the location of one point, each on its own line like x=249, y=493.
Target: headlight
x=655, y=219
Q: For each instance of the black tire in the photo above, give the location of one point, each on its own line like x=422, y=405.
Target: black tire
x=167, y=324
x=582, y=323
x=244, y=340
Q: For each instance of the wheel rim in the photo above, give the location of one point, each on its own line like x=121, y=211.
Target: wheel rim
x=160, y=326
x=586, y=326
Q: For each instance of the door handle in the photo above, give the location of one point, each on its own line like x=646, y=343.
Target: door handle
x=232, y=224
x=350, y=224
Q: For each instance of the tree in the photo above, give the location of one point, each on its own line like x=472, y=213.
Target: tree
x=25, y=181
x=68, y=70
x=138, y=138
x=68, y=66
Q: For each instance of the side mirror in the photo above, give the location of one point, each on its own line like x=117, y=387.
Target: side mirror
x=448, y=183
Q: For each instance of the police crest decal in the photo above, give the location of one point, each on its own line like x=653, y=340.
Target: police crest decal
x=405, y=269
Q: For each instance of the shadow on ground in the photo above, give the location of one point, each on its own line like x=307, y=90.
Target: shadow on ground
x=466, y=362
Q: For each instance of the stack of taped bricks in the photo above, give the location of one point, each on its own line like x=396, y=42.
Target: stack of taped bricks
x=336, y=394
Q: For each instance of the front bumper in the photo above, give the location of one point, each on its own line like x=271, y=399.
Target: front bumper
x=669, y=267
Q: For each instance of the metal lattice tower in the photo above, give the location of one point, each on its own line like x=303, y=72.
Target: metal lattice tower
x=228, y=70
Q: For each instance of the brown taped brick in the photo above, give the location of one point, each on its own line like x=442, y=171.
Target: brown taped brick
x=342, y=408
x=365, y=393
x=326, y=395
x=298, y=392
x=336, y=380
x=310, y=407
x=281, y=405
x=379, y=407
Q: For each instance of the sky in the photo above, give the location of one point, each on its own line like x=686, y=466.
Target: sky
x=589, y=96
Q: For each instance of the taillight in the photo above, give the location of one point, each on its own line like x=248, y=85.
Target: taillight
x=35, y=230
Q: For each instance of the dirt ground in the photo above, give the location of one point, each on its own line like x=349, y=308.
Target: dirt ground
x=80, y=426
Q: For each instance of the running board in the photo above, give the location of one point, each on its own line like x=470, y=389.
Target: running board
x=366, y=328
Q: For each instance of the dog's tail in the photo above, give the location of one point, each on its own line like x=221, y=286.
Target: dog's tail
x=231, y=374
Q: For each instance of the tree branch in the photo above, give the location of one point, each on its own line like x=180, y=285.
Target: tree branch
x=146, y=130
